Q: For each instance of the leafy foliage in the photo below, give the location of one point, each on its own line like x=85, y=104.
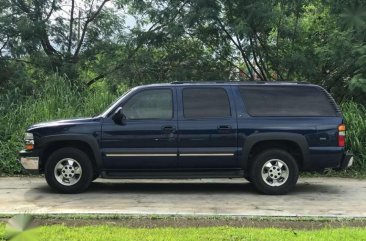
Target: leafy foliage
x=355, y=116
x=58, y=99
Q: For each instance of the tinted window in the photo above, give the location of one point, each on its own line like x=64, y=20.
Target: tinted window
x=286, y=101
x=150, y=104
x=205, y=103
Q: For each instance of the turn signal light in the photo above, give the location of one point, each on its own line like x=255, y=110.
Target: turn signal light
x=342, y=127
x=29, y=147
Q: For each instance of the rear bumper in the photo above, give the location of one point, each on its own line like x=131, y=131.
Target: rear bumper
x=29, y=161
x=346, y=162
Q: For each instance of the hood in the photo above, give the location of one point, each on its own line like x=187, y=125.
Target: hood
x=65, y=122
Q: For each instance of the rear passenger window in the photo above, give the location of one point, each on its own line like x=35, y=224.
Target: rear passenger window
x=286, y=101
x=205, y=103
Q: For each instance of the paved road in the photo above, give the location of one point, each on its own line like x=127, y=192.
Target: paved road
x=312, y=197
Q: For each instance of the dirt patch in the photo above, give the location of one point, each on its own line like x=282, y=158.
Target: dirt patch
x=150, y=222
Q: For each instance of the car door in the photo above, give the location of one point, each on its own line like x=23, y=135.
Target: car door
x=147, y=138
x=207, y=128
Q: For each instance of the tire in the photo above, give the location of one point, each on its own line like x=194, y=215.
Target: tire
x=280, y=172
x=75, y=164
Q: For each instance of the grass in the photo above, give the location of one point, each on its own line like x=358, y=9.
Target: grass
x=58, y=99
x=120, y=227
x=353, y=172
x=111, y=233
x=355, y=117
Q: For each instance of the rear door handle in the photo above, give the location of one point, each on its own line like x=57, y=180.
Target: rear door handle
x=224, y=127
x=168, y=129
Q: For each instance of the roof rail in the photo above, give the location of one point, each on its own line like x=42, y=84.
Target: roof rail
x=238, y=82
x=180, y=82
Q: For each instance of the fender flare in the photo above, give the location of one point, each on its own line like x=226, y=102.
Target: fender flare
x=90, y=140
x=255, y=138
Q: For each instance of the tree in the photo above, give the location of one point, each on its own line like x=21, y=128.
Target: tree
x=59, y=30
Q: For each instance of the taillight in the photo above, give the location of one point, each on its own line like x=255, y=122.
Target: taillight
x=342, y=135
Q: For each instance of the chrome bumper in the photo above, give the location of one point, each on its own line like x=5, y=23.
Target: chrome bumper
x=30, y=163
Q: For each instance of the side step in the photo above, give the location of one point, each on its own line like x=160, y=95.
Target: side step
x=144, y=174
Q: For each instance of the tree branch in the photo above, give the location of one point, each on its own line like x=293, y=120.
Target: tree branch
x=260, y=55
x=51, y=11
x=2, y=47
x=21, y=61
x=152, y=28
x=293, y=42
x=46, y=44
x=267, y=55
x=70, y=27
x=87, y=22
x=130, y=55
x=225, y=58
x=254, y=47
x=241, y=49
x=21, y=5
x=237, y=46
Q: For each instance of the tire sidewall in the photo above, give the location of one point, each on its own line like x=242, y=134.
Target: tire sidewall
x=265, y=156
x=81, y=158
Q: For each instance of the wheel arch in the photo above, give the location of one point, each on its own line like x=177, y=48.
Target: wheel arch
x=85, y=143
x=291, y=142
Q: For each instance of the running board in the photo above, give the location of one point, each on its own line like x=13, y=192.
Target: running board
x=172, y=174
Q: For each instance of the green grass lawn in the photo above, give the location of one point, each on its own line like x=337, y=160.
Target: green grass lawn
x=111, y=233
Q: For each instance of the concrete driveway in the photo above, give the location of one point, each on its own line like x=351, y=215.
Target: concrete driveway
x=311, y=197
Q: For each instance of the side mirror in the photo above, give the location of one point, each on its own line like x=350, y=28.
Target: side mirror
x=118, y=116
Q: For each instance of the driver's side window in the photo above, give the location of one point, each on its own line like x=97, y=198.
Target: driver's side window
x=149, y=104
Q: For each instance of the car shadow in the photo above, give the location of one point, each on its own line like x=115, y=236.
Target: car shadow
x=156, y=188
x=176, y=187
x=187, y=188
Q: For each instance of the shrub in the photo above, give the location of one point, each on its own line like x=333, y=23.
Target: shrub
x=355, y=117
x=58, y=99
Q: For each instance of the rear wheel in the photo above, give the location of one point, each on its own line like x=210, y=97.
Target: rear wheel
x=69, y=170
x=274, y=172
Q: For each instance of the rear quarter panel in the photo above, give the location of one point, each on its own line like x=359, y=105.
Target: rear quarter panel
x=321, y=134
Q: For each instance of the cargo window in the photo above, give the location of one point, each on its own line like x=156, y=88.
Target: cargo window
x=287, y=101
x=150, y=104
x=205, y=103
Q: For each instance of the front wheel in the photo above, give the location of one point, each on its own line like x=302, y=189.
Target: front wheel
x=274, y=172
x=69, y=170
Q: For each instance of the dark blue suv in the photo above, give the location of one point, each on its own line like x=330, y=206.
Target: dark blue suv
x=266, y=132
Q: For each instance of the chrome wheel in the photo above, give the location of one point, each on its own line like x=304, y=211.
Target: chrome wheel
x=68, y=171
x=275, y=172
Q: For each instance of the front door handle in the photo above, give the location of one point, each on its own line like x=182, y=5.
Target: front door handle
x=168, y=129
x=224, y=128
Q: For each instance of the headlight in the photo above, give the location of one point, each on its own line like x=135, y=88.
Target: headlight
x=29, y=141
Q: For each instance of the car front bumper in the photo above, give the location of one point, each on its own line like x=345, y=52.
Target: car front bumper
x=29, y=161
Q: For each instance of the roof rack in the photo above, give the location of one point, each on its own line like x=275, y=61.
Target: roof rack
x=199, y=82
x=240, y=82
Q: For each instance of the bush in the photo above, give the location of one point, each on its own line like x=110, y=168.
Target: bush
x=355, y=117
x=59, y=99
